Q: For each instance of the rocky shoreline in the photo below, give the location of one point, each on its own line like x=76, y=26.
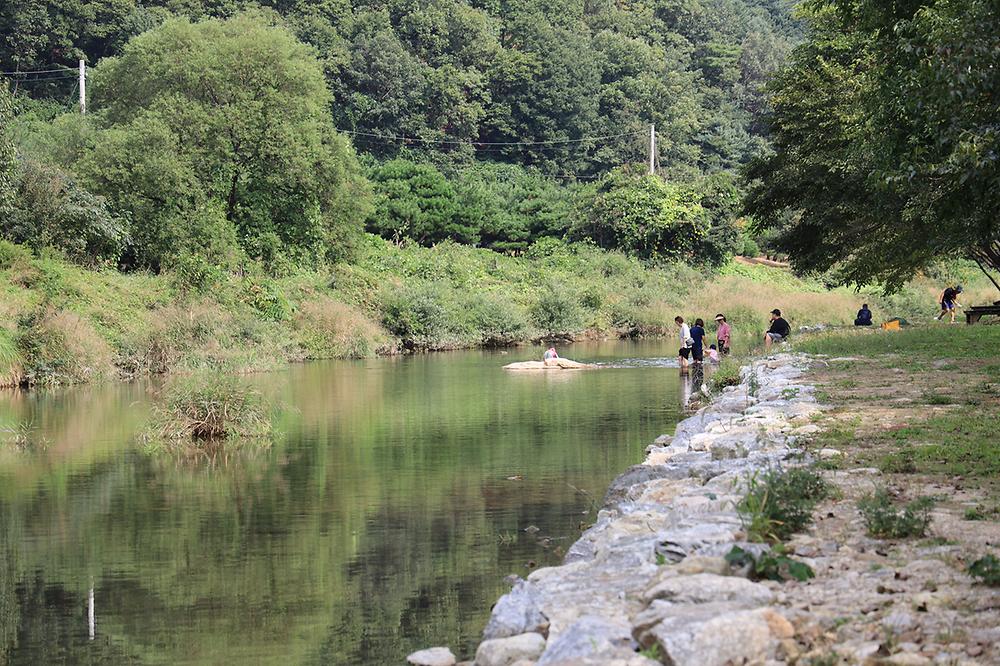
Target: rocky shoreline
x=649, y=584
x=651, y=570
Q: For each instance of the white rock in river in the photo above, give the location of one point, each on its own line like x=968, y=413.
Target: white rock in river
x=506, y=651
x=438, y=656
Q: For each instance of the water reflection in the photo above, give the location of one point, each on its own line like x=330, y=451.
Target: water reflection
x=384, y=519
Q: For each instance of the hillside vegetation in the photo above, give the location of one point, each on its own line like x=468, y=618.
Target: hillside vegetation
x=66, y=324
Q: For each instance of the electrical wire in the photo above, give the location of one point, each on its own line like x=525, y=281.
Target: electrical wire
x=395, y=137
x=38, y=71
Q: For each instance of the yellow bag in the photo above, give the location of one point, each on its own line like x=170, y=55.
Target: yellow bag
x=891, y=325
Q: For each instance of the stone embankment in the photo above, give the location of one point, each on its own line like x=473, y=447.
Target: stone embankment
x=651, y=571
x=648, y=583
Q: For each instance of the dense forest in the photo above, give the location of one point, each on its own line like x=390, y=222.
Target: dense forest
x=225, y=132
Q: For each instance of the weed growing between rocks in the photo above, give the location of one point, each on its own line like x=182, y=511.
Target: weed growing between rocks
x=727, y=374
x=779, y=503
x=884, y=518
x=203, y=410
x=773, y=564
x=987, y=570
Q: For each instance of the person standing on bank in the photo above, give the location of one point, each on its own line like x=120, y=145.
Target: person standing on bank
x=684, y=353
x=723, y=334
x=949, y=302
x=698, y=335
x=780, y=330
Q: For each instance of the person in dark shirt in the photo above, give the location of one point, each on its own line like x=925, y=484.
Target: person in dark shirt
x=864, y=316
x=780, y=330
x=949, y=302
x=698, y=335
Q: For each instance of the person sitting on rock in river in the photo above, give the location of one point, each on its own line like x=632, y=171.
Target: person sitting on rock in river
x=780, y=330
x=864, y=316
x=549, y=356
x=684, y=353
x=723, y=334
x=949, y=302
x=698, y=335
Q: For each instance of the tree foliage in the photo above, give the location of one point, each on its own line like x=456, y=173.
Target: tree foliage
x=886, y=140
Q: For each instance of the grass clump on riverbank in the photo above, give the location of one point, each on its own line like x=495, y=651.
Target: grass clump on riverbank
x=206, y=409
x=779, y=503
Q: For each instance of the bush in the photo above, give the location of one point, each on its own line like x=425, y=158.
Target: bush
x=264, y=296
x=556, y=312
x=771, y=564
x=416, y=314
x=884, y=519
x=193, y=273
x=727, y=374
x=987, y=570
x=780, y=503
x=750, y=248
x=59, y=347
x=499, y=322
x=328, y=329
x=207, y=407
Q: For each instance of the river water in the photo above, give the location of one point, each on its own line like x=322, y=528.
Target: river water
x=383, y=520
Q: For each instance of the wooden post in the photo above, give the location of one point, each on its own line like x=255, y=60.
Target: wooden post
x=83, y=86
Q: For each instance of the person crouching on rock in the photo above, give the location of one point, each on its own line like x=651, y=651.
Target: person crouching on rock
x=684, y=353
x=780, y=330
x=550, y=356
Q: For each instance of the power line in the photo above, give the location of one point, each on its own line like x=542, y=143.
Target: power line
x=395, y=137
x=38, y=71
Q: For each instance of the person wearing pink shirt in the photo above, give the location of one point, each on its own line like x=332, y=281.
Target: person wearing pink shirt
x=723, y=334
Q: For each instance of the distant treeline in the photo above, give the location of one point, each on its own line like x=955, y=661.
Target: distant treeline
x=226, y=131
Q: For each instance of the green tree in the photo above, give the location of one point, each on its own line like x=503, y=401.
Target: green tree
x=225, y=117
x=416, y=201
x=644, y=216
x=8, y=155
x=886, y=141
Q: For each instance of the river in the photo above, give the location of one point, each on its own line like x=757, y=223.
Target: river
x=383, y=520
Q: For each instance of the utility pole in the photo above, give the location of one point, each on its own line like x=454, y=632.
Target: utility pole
x=83, y=86
x=652, y=148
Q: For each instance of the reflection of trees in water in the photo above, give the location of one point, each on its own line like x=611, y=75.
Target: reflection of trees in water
x=369, y=529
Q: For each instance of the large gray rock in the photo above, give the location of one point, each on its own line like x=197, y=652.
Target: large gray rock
x=506, y=651
x=706, y=587
x=709, y=634
x=438, y=656
x=638, y=474
x=590, y=637
x=517, y=612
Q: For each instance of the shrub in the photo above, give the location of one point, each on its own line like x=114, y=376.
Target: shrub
x=727, y=374
x=59, y=347
x=416, y=314
x=987, y=570
x=328, y=329
x=771, y=564
x=884, y=519
x=780, y=502
x=264, y=296
x=750, y=248
x=499, y=322
x=556, y=312
x=210, y=407
x=196, y=274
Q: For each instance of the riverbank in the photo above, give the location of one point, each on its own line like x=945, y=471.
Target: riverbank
x=64, y=324
x=651, y=582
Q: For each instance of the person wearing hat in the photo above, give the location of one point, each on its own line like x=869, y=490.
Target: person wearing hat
x=780, y=330
x=723, y=333
x=949, y=302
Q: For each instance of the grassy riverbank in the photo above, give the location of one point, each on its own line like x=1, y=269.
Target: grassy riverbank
x=921, y=405
x=60, y=323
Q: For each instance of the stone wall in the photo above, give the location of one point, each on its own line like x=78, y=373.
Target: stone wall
x=650, y=574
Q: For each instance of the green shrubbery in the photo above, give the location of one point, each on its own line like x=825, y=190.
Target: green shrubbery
x=779, y=503
x=987, y=570
x=884, y=518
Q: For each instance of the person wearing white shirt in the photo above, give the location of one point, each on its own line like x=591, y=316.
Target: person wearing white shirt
x=684, y=353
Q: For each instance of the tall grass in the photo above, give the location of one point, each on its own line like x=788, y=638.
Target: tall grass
x=208, y=407
x=329, y=329
x=11, y=363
